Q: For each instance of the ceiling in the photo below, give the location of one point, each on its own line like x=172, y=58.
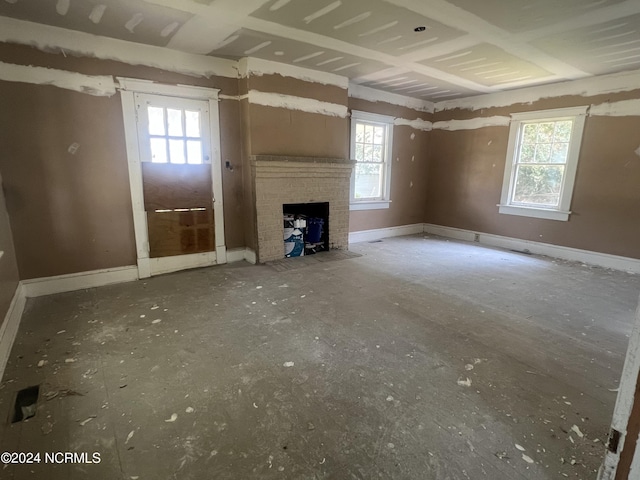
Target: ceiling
x=467, y=47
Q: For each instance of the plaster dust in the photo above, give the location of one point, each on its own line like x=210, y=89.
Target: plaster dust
x=376, y=349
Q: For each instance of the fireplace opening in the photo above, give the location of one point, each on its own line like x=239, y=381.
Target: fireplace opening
x=306, y=228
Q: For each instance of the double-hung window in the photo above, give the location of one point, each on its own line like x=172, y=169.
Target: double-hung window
x=371, y=136
x=542, y=159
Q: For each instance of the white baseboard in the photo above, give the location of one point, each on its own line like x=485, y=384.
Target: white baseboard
x=77, y=281
x=9, y=328
x=631, y=265
x=378, y=233
x=250, y=256
x=161, y=265
x=235, y=255
x=626, y=264
x=241, y=255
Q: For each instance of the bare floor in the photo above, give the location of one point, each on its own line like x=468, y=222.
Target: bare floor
x=421, y=359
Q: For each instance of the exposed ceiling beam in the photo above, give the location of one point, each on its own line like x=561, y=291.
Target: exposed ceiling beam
x=228, y=10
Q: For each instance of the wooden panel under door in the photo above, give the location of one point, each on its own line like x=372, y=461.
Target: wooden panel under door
x=168, y=186
x=180, y=233
x=178, y=202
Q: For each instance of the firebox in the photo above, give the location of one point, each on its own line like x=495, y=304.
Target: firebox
x=306, y=228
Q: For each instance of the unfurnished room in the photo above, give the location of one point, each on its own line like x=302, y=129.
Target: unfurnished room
x=318, y=239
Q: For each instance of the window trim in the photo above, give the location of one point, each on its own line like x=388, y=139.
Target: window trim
x=562, y=211
x=383, y=201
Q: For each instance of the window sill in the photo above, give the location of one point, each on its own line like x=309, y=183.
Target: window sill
x=534, y=212
x=374, y=205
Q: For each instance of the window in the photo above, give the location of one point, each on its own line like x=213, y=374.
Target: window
x=172, y=130
x=371, y=136
x=542, y=158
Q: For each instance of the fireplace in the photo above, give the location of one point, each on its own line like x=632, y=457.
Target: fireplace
x=306, y=228
x=281, y=180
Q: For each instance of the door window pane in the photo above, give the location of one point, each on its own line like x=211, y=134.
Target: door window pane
x=156, y=120
x=174, y=120
x=194, y=151
x=192, y=123
x=176, y=151
x=158, y=150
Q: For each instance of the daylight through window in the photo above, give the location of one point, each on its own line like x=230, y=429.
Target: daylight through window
x=371, y=149
x=542, y=160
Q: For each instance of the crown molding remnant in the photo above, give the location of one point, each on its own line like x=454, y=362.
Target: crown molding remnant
x=374, y=95
x=309, y=105
x=98, y=85
x=623, y=108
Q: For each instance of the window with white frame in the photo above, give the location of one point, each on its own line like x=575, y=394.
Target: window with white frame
x=371, y=136
x=542, y=159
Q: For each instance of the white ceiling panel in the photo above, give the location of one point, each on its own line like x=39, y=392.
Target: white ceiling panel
x=489, y=65
x=373, y=24
x=603, y=48
x=132, y=20
x=523, y=15
x=248, y=43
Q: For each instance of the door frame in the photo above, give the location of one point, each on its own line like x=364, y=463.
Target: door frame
x=147, y=266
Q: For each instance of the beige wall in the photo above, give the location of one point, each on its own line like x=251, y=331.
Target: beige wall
x=467, y=166
x=8, y=266
x=72, y=212
x=408, y=171
x=280, y=131
x=271, y=130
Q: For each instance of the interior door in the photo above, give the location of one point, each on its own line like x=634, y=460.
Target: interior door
x=175, y=153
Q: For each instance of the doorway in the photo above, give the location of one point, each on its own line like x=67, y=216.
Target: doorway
x=173, y=148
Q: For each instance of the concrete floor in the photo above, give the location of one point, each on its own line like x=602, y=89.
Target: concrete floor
x=422, y=359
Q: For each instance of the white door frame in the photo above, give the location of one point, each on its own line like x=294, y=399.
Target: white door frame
x=624, y=406
x=153, y=266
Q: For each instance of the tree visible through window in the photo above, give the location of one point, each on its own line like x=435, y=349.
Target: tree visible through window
x=542, y=160
x=371, y=149
x=369, y=145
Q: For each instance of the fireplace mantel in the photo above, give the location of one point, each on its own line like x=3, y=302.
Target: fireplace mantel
x=260, y=159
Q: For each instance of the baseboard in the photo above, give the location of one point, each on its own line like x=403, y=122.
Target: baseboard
x=235, y=255
x=626, y=264
x=77, y=281
x=9, y=328
x=250, y=256
x=177, y=263
x=378, y=233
